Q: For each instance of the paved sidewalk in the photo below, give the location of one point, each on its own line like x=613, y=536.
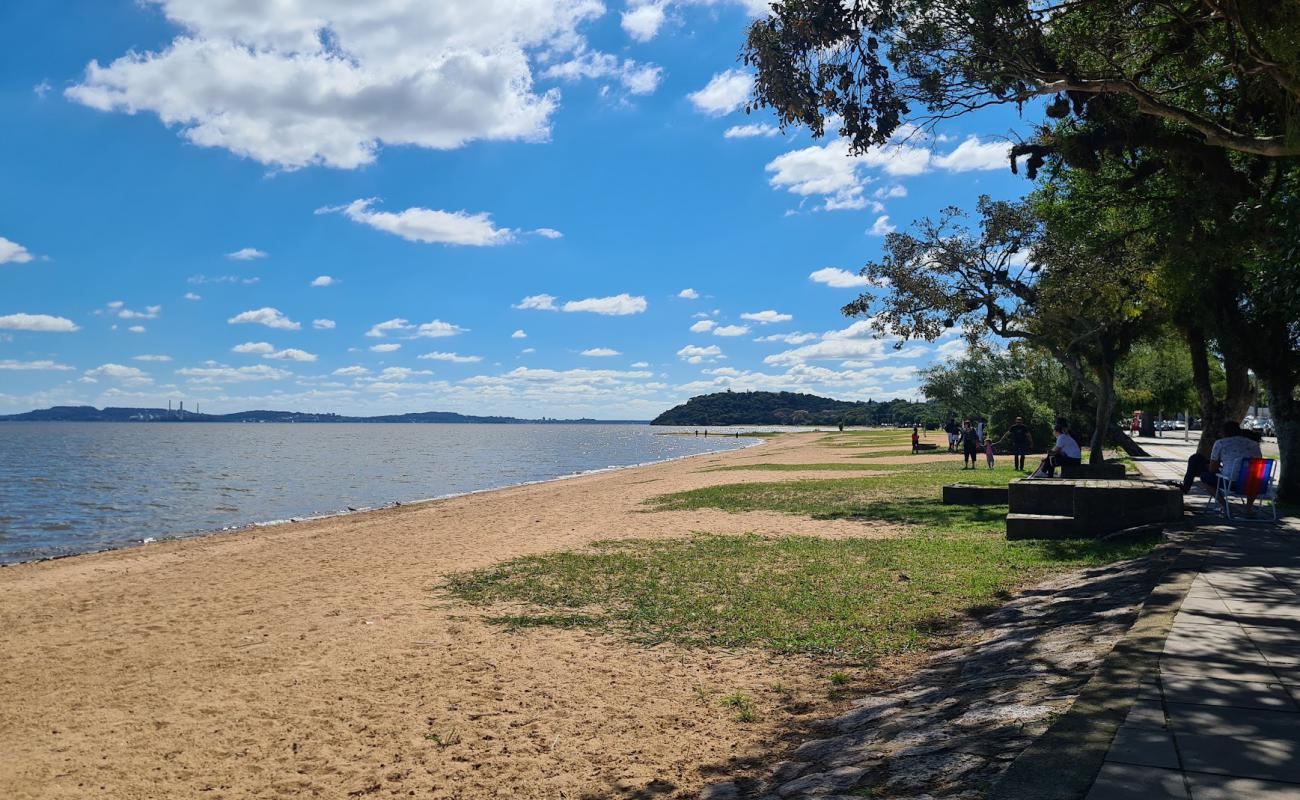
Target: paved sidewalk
x=1220, y=719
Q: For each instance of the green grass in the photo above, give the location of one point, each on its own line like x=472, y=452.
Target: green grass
x=852, y=598
x=908, y=493
x=791, y=467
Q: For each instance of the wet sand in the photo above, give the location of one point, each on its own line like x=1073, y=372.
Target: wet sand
x=321, y=660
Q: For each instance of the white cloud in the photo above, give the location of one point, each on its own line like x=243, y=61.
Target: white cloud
x=427, y=225
x=148, y=357
x=253, y=348
x=539, y=302
x=750, y=131
x=548, y=233
x=519, y=334
x=972, y=154
x=150, y=312
x=703, y=326
x=324, y=280
x=199, y=280
x=437, y=329
x=246, y=254
x=353, y=371
x=381, y=329
x=766, y=317
x=891, y=192
x=13, y=253
x=635, y=78
x=136, y=329
x=43, y=365
x=384, y=348
x=640, y=365
x=131, y=376
x=789, y=338
x=693, y=354
x=451, y=358
x=298, y=82
x=323, y=324
x=192, y=296
x=731, y=330
x=619, y=305
x=43, y=323
x=291, y=354
x=529, y=350
x=724, y=93
x=839, y=278
x=688, y=294
x=223, y=374
x=643, y=22
x=269, y=317
x=881, y=226
x=601, y=352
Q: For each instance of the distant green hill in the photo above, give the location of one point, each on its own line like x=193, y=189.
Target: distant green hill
x=791, y=408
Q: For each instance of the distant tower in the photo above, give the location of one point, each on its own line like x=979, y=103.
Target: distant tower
x=182, y=409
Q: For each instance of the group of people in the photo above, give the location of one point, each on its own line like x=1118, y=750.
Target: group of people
x=969, y=438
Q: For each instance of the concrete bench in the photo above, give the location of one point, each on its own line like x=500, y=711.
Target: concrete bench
x=1062, y=508
x=1108, y=470
x=965, y=494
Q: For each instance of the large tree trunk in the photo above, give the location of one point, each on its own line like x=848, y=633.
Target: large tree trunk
x=1285, y=409
x=1105, y=410
x=1126, y=444
x=1215, y=411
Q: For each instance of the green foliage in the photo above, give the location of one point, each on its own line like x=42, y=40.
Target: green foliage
x=789, y=408
x=1017, y=398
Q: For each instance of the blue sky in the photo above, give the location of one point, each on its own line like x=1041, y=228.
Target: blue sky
x=526, y=207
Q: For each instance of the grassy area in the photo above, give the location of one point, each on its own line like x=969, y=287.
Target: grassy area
x=793, y=467
x=909, y=493
x=854, y=598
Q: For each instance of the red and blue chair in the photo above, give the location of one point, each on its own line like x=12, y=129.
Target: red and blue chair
x=1253, y=480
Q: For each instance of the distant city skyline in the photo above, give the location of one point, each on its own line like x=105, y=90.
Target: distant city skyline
x=558, y=211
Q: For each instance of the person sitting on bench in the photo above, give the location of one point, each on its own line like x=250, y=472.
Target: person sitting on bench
x=1224, y=457
x=1066, y=451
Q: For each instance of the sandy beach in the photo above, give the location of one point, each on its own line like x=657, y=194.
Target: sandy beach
x=317, y=659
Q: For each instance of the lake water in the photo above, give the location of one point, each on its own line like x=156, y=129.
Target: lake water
x=68, y=487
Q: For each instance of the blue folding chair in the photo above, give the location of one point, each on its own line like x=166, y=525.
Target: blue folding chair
x=1254, y=480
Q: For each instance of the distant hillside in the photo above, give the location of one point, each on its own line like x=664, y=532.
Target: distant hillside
x=789, y=408
x=111, y=414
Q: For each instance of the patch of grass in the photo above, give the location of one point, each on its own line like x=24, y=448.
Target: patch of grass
x=444, y=740
x=909, y=493
x=520, y=621
x=742, y=705
x=790, y=467
x=839, y=678
x=855, y=598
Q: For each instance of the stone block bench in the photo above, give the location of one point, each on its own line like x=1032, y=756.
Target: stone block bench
x=1060, y=508
x=1108, y=470
x=965, y=494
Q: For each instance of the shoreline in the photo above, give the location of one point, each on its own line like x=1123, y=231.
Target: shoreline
x=328, y=515
x=324, y=658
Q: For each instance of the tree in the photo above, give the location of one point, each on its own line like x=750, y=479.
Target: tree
x=1157, y=376
x=1224, y=72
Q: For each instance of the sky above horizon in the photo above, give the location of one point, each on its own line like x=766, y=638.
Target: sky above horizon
x=525, y=207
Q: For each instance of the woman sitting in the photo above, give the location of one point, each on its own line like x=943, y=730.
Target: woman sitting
x=1066, y=451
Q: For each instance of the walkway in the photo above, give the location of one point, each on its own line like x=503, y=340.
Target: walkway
x=1221, y=718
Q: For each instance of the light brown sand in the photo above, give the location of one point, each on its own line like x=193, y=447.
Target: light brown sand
x=313, y=659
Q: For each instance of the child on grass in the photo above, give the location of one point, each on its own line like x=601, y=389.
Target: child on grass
x=988, y=451
x=916, y=441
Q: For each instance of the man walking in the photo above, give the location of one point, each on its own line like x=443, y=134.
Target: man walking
x=1021, y=441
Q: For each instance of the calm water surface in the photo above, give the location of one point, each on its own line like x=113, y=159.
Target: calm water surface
x=68, y=487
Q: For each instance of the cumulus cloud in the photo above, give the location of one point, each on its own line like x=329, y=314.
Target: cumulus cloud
x=192, y=296
x=131, y=376
x=601, y=352
x=731, y=330
x=297, y=82
x=548, y=233
x=136, y=329
x=839, y=278
x=151, y=357
x=42, y=365
x=881, y=226
x=13, y=253
x=643, y=22
x=538, y=302
x=426, y=225
x=324, y=280
x=703, y=326
x=267, y=316
x=788, y=338
x=766, y=317
x=385, y=348
x=150, y=312
x=253, y=348
x=223, y=374
x=452, y=358
x=43, y=323
x=434, y=329
x=693, y=354
x=353, y=371
x=724, y=93
x=246, y=254
x=635, y=78
x=323, y=324
x=291, y=354
x=618, y=305
x=751, y=131
x=972, y=154
x=688, y=294
x=519, y=334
